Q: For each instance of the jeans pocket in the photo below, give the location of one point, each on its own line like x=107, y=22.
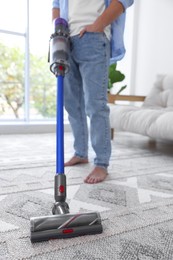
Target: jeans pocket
x=95, y=44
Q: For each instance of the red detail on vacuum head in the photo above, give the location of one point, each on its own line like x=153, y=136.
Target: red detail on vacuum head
x=68, y=231
x=61, y=189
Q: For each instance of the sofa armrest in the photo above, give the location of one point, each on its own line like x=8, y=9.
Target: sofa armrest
x=131, y=98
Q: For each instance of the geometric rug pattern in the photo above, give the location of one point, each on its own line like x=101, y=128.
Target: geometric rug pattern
x=135, y=201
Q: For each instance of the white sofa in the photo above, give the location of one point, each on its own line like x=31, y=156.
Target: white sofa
x=154, y=118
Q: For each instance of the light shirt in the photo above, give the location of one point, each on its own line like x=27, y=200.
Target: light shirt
x=82, y=13
x=117, y=26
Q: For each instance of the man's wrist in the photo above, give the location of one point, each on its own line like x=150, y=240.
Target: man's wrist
x=99, y=25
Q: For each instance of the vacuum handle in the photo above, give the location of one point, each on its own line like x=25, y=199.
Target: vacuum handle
x=60, y=126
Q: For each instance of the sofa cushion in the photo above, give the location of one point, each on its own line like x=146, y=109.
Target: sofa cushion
x=162, y=128
x=133, y=119
x=161, y=95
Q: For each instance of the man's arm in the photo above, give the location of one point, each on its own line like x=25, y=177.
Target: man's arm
x=55, y=13
x=111, y=13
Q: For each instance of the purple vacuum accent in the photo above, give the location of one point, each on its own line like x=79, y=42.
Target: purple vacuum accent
x=60, y=21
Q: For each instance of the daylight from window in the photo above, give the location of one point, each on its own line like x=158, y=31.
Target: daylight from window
x=27, y=87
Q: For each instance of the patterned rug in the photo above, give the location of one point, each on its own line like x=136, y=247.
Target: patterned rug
x=135, y=201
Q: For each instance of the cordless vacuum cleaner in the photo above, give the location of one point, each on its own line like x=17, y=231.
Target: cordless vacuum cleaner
x=62, y=224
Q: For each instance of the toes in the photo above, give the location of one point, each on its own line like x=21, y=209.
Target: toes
x=96, y=176
x=87, y=179
x=92, y=180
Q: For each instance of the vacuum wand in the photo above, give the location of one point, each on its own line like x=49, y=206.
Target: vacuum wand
x=59, y=48
x=59, y=66
x=62, y=224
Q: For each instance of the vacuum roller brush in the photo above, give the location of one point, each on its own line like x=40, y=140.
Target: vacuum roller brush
x=64, y=226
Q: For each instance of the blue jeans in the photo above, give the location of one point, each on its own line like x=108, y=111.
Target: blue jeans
x=85, y=94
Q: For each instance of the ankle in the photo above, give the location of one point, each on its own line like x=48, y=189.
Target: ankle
x=76, y=155
x=105, y=167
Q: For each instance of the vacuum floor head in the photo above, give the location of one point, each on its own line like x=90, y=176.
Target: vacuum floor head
x=65, y=226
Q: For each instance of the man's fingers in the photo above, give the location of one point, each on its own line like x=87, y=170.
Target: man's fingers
x=82, y=32
x=88, y=28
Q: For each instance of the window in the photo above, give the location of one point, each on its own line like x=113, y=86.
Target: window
x=12, y=44
x=27, y=86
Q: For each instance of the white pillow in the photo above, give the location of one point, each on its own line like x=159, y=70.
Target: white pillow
x=161, y=95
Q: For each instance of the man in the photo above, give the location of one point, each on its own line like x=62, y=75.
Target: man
x=96, y=35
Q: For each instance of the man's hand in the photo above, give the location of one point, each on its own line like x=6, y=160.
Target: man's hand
x=55, y=13
x=97, y=26
x=111, y=13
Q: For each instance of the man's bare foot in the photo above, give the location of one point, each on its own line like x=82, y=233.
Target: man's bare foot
x=99, y=174
x=76, y=160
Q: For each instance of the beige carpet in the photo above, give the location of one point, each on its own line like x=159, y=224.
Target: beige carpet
x=135, y=202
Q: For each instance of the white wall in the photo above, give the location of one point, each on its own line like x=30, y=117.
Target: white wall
x=152, y=51
x=125, y=64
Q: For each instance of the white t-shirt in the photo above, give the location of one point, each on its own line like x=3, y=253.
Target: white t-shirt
x=84, y=12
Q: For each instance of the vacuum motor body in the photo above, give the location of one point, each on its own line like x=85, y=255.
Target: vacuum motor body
x=59, y=48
